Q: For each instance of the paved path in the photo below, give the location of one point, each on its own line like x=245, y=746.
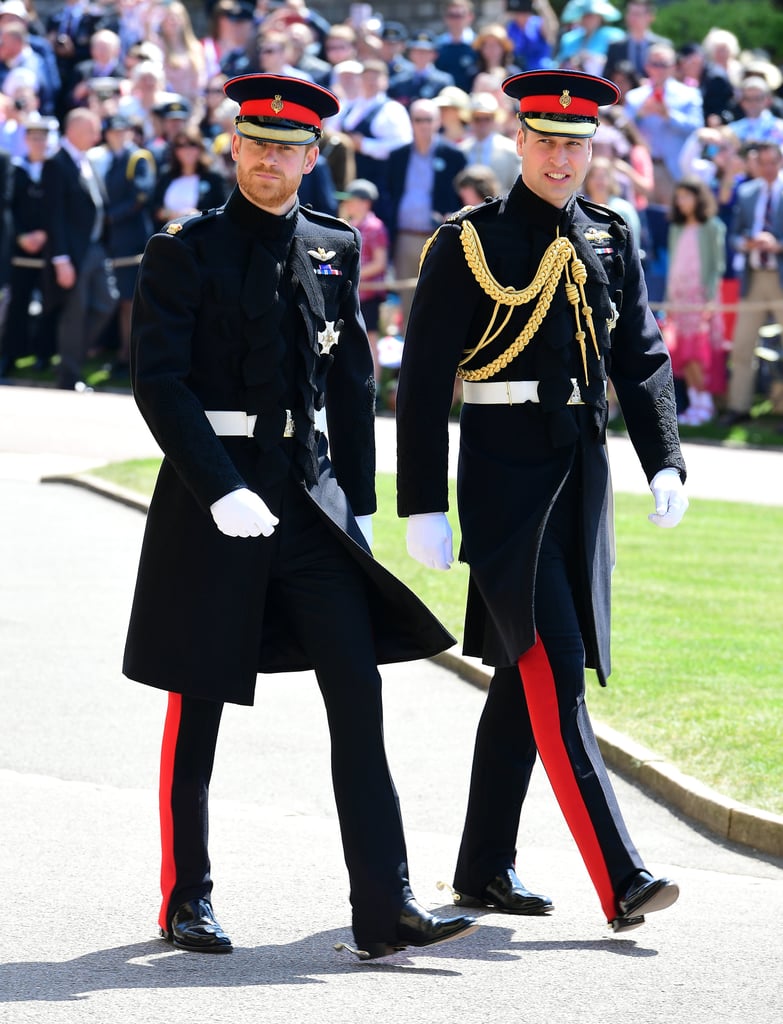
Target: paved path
x=78, y=852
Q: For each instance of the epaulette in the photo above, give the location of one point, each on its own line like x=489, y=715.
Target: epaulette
x=186, y=223
x=467, y=212
x=465, y=215
x=136, y=155
x=602, y=211
x=329, y=221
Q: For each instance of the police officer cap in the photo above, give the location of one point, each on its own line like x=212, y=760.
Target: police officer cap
x=177, y=108
x=394, y=32
x=519, y=6
x=561, y=102
x=277, y=108
x=116, y=123
x=236, y=10
x=422, y=41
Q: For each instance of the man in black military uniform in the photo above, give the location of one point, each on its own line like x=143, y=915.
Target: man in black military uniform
x=256, y=554
x=546, y=303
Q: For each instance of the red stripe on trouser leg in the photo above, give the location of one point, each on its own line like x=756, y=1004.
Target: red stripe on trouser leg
x=168, y=867
x=541, y=696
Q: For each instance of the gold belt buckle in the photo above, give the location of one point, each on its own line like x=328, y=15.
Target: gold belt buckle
x=289, y=429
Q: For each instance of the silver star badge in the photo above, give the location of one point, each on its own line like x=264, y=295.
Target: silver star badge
x=328, y=338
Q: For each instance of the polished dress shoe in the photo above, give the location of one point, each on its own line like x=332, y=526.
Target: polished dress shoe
x=642, y=895
x=416, y=927
x=193, y=927
x=732, y=418
x=507, y=894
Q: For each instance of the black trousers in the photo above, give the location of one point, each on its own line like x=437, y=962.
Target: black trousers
x=25, y=335
x=323, y=595
x=537, y=706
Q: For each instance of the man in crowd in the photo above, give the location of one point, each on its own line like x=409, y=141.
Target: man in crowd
x=757, y=236
x=666, y=112
x=422, y=191
x=76, y=225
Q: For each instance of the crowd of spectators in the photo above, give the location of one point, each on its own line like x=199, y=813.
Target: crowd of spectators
x=424, y=127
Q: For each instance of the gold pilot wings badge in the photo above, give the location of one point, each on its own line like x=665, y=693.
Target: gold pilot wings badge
x=328, y=338
x=599, y=239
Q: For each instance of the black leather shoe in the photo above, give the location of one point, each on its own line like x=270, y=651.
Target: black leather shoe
x=731, y=418
x=507, y=894
x=643, y=895
x=417, y=927
x=193, y=927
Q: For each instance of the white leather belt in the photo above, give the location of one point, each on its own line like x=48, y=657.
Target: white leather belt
x=509, y=392
x=241, y=424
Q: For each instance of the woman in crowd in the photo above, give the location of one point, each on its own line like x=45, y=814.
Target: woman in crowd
x=476, y=183
x=189, y=184
x=602, y=186
x=184, y=62
x=495, y=52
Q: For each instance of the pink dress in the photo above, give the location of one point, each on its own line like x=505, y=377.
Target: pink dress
x=689, y=332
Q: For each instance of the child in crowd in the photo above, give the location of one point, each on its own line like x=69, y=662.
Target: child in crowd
x=357, y=210
x=695, y=268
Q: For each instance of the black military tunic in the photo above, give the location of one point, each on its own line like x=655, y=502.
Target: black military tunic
x=238, y=309
x=515, y=459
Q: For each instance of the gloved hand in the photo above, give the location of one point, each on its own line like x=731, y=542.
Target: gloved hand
x=243, y=513
x=429, y=540
x=365, y=525
x=670, y=500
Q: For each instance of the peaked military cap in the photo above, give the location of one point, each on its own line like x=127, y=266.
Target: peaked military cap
x=561, y=102
x=175, y=107
x=281, y=109
x=422, y=40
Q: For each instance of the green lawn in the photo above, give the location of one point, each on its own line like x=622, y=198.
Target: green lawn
x=697, y=644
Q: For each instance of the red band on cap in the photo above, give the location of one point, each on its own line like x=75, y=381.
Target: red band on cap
x=549, y=104
x=277, y=107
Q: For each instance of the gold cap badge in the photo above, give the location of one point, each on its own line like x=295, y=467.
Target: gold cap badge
x=565, y=99
x=277, y=103
x=172, y=229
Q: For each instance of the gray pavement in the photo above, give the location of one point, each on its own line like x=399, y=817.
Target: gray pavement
x=78, y=805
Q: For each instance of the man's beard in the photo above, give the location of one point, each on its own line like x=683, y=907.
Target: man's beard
x=268, y=194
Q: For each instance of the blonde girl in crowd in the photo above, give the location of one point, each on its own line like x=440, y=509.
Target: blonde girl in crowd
x=184, y=62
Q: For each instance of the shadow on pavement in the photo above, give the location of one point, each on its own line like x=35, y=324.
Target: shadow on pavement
x=154, y=964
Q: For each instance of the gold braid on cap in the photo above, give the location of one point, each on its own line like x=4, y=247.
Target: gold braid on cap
x=560, y=256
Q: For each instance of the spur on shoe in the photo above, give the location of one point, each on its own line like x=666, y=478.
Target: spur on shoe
x=507, y=894
x=194, y=927
x=642, y=895
x=415, y=927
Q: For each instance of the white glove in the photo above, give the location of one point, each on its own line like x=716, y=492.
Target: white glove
x=429, y=540
x=242, y=513
x=365, y=525
x=670, y=500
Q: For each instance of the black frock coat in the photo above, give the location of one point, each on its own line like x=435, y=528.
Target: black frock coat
x=514, y=460
x=227, y=314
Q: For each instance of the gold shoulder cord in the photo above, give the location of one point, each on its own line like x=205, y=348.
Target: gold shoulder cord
x=555, y=260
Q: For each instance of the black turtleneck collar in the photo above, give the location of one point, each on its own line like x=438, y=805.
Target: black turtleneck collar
x=537, y=212
x=260, y=223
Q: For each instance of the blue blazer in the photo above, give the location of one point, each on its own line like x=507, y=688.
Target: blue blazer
x=742, y=225
x=449, y=161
